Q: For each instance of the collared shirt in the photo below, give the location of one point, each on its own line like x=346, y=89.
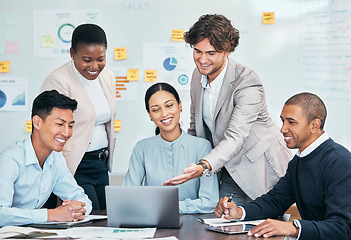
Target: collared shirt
x=210, y=97
x=25, y=186
x=156, y=160
x=322, y=138
x=102, y=111
x=304, y=153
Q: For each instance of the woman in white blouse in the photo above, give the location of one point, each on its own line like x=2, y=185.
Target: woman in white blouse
x=89, y=152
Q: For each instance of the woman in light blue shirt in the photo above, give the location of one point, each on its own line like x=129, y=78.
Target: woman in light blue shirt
x=165, y=155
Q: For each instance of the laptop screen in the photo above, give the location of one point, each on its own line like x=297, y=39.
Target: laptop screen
x=142, y=206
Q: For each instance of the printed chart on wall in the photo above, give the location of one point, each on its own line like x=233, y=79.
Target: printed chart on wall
x=13, y=94
x=173, y=63
x=125, y=90
x=52, y=30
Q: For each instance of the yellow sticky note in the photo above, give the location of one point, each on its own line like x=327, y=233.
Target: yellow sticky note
x=4, y=66
x=117, y=125
x=132, y=74
x=268, y=18
x=177, y=35
x=47, y=41
x=29, y=126
x=120, y=53
x=150, y=75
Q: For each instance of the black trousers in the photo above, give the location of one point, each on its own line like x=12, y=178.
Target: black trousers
x=92, y=176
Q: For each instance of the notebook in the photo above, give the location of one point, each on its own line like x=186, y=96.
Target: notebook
x=142, y=206
x=86, y=220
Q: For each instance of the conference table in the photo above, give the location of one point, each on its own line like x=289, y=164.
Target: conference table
x=191, y=229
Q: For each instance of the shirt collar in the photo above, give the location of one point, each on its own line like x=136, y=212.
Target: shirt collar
x=173, y=144
x=31, y=157
x=313, y=145
x=217, y=81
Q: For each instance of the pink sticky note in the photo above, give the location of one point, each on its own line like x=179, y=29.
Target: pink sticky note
x=12, y=48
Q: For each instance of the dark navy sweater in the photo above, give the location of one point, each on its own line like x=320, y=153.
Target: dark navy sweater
x=320, y=185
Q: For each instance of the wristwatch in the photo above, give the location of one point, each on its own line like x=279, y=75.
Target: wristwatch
x=296, y=224
x=206, y=172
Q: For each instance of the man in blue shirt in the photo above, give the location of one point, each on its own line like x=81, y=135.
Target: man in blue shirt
x=318, y=180
x=32, y=169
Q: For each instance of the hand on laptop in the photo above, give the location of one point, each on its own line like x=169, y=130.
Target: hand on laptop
x=69, y=211
x=192, y=171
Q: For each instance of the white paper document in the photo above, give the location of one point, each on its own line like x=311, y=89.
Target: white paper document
x=109, y=232
x=162, y=238
x=79, y=232
x=215, y=222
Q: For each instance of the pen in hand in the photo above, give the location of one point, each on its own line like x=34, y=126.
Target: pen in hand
x=229, y=200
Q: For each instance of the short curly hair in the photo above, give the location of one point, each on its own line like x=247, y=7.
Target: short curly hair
x=88, y=34
x=217, y=29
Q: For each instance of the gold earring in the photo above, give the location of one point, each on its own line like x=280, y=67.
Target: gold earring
x=71, y=62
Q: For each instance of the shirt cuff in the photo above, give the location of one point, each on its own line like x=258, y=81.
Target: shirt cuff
x=244, y=213
x=182, y=207
x=40, y=215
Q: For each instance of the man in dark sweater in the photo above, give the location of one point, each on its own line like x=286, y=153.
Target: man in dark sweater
x=318, y=180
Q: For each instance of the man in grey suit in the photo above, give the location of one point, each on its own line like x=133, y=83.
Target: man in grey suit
x=228, y=108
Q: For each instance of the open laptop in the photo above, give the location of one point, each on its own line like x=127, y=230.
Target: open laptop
x=142, y=206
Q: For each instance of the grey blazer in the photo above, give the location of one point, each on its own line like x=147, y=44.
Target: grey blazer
x=245, y=139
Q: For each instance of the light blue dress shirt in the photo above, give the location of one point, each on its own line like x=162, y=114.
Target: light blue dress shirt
x=25, y=186
x=158, y=160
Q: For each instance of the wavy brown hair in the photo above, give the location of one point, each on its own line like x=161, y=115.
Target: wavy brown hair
x=218, y=29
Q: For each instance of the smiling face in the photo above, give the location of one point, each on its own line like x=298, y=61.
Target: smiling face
x=209, y=61
x=297, y=132
x=53, y=131
x=164, y=111
x=89, y=60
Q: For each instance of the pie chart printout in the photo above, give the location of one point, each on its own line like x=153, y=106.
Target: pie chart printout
x=170, y=63
x=3, y=99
